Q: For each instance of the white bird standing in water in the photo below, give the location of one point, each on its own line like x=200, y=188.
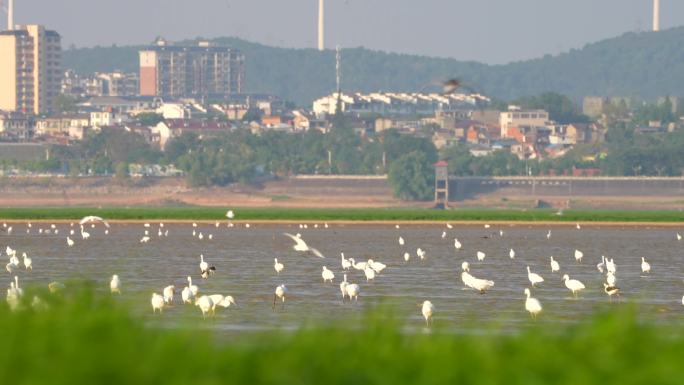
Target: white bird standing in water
x=157, y=303
x=554, y=265
x=407, y=256
x=574, y=285
x=548, y=235
x=186, y=295
x=193, y=288
x=28, y=262
x=457, y=244
x=115, y=285
x=278, y=266
x=168, y=293
x=601, y=264
x=343, y=287
x=70, y=242
x=534, y=277
x=370, y=273
x=481, y=256
x=345, y=262
x=427, y=310
x=279, y=293
x=578, y=255
x=532, y=305
x=327, y=275
x=401, y=241
x=645, y=266
x=206, y=305
x=679, y=237
x=353, y=291
x=511, y=254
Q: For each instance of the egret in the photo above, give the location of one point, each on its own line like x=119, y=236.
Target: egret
x=532, y=305
x=679, y=237
x=611, y=266
x=230, y=214
x=407, y=256
x=145, y=239
x=611, y=279
x=465, y=266
x=345, y=262
x=443, y=234
x=92, y=219
x=578, y=226
x=457, y=244
x=449, y=226
x=300, y=245
x=327, y=275
x=534, y=277
x=204, y=266
x=645, y=266
x=206, y=305
x=193, y=288
x=481, y=256
x=279, y=293
x=511, y=254
x=427, y=310
x=186, y=295
x=573, y=285
x=28, y=262
x=554, y=265
x=115, y=285
x=401, y=241
x=487, y=226
x=421, y=253
x=84, y=234
x=548, y=235
x=481, y=285
x=359, y=265
x=578, y=255
x=9, y=267
x=278, y=266
x=343, y=287
x=168, y=293
x=370, y=273
x=157, y=303
x=611, y=290
x=377, y=266
x=601, y=264
x=353, y=291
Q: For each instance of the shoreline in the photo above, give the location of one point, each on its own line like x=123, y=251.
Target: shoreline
x=347, y=222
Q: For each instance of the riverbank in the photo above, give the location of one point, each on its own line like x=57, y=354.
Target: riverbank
x=369, y=215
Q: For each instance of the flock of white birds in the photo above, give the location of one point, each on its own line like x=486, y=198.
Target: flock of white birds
x=208, y=303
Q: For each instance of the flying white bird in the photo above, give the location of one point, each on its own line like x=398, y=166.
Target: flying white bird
x=91, y=219
x=300, y=245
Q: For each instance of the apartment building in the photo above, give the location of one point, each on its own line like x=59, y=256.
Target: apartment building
x=30, y=69
x=201, y=71
x=516, y=117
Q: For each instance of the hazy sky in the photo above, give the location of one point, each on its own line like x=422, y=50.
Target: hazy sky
x=492, y=31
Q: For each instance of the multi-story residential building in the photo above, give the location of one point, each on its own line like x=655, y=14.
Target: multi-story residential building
x=30, y=69
x=201, y=71
x=516, y=117
x=14, y=126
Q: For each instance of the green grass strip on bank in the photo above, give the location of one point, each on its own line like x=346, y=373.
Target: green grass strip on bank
x=370, y=214
x=86, y=337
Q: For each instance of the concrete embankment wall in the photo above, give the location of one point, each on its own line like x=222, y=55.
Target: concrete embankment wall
x=461, y=188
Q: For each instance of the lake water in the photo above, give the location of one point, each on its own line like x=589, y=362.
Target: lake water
x=244, y=261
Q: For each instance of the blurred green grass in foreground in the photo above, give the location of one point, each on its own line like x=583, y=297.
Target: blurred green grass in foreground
x=88, y=338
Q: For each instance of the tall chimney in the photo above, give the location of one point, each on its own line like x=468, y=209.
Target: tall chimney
x=321, y=25
x=656, y=15
x=10, y=15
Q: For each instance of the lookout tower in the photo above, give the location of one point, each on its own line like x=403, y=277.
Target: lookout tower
x=441, y=185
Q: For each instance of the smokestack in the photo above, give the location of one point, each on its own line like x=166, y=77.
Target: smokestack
x=656, y=15
x=321, y=25
x=10, y=15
